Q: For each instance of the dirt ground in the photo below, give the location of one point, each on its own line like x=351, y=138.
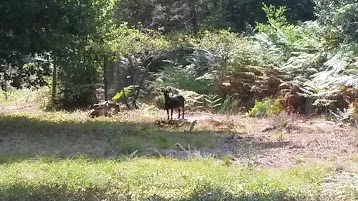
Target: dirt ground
x=279, y=142
x=282, y=141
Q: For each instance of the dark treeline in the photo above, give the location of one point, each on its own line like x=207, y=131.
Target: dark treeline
x=239, y=15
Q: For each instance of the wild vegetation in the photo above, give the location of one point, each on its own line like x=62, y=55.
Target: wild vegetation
x=270, y=89
x=139, y=155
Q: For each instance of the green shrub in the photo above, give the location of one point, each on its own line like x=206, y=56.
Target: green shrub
x=276, y=106
x=261, y=108
x=266, y=107
x=182, y=78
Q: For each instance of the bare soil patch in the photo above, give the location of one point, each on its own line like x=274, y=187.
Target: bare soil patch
x=280, y=141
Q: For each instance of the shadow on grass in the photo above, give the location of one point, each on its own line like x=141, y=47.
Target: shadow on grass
x=23, y=137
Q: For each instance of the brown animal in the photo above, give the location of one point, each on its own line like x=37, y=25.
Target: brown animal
x=173, y=103
x=99, y=110
x=104, y=109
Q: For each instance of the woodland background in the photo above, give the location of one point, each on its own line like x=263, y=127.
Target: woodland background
x=222, y=55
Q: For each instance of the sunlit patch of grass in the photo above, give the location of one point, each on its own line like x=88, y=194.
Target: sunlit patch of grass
x=50, y=117
x=279, y=136
x=154, y=179
x=13, y=96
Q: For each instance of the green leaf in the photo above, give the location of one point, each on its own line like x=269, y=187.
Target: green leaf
x=125, y=91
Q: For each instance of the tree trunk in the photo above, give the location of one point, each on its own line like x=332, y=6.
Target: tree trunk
x=105, y=79
x=193, y=15
x=54, y=83
x=140, y=85
x=131, y=70
x=4, y=88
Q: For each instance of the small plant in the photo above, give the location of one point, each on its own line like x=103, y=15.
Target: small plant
x=227, y=160
x=253, y=162
x=279, y=121
x=354, y=158
x=212, y=102
x=266, y=107
x=192, y=126
x=261, y=108
x=349, y=115
x=276, y=107
x=280, y=136
x=158, y=101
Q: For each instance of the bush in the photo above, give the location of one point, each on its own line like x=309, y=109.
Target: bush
x=77, y=96
x=261, y=108
x=276, y=106
x=182, y=78
x=266, y=107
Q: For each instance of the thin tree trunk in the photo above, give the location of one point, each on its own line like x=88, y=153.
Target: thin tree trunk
x=5, y=90
x=131, y=69
x=140, y=85
x=54, y=83
x=5, y=82
x=105, y=77
x=193, y=15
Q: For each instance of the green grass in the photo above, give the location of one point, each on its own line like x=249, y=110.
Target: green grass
x=154, y=179
x=68, y=156
x=25, y=96
x=65, y=132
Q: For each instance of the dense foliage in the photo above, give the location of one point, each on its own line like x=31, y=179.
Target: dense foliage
x=240, y=51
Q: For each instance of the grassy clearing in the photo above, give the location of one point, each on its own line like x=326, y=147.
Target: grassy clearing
x=222, y=158
x=47, y=178
x=63, y=133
